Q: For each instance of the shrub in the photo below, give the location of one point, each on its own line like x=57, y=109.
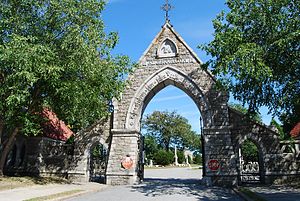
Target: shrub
x=163, y=157
x=180, y=156
x=198, y=159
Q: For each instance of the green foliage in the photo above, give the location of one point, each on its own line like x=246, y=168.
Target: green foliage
x=98, y=151
x=151, y=147
x=255, y=53
x=56, y=54
x=169, y=128
x=163, y=157
x=181, y=158
x=256, y=116
x=282, y=134
x=197, y=159
x=249, y=151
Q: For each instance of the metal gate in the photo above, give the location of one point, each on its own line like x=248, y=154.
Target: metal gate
x=141, y=157
x=98, y=162
x=249, y=171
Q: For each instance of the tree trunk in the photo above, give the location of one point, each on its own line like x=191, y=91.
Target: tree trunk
x=1, y=130
x=7, y=148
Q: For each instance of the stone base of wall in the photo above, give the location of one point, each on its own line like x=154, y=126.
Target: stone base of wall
x=225, y=181
x=116, y=180
x=282, y=179
x=77, y=177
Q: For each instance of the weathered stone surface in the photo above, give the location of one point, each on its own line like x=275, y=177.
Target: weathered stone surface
x=178, y=66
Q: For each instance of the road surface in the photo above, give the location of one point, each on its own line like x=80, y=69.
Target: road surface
x=173, y=184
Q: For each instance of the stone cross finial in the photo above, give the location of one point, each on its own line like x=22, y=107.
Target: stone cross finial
x=167, y=7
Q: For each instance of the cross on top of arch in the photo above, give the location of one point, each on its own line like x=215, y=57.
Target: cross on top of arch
x=167, y=7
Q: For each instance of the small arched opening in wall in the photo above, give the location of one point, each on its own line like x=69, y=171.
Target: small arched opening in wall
x=11, y=158
x=250, y=154
x=166, y=78
x=98, y=156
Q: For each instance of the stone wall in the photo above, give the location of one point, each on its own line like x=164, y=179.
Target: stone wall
x=99, y=132
x=42, y=157
x=46, y=157
x=274, y=162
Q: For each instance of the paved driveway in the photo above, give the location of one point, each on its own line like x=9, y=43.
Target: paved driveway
x=174, y=184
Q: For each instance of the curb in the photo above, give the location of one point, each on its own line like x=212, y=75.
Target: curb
x=242, y=195
x=78, y=194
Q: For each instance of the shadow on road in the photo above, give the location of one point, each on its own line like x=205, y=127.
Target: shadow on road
x=193, y=188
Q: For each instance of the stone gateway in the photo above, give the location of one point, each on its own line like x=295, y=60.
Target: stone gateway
x=170, y=61
x=167, y=61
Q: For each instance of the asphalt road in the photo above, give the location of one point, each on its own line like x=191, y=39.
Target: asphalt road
x=174, y=184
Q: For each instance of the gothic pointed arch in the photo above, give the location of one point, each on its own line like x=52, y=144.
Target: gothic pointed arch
x=166, y=76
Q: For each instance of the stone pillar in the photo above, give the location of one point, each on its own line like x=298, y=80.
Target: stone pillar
x=124, y=144
x=220, y=157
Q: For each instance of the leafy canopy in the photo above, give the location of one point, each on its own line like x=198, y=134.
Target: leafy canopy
x=255, y=53
x=56, y=54
x=168, y=129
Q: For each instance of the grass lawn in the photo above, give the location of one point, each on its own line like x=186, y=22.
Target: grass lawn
x=54, y=196
x=16, y=182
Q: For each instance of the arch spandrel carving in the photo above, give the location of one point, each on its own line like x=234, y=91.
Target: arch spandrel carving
x=167, y=49
x=156, y=82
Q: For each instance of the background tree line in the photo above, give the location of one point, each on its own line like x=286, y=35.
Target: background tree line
x=165, y=130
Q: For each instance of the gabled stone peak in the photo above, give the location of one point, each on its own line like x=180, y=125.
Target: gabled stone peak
x=166, y=45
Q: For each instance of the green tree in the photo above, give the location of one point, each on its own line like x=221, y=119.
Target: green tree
x=181, y=158
x=163, y=157
x=169, y=128
x=197, y=159
x=249, y=151
x=255, y=53
x=279, y=128
x=55, y=54
x=151, y=147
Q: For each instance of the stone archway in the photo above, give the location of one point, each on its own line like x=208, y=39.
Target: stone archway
x=157, y=70
x=250, y=167
x=156, y=82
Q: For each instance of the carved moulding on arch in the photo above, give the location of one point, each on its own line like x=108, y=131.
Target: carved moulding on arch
x=167, y=49
x=157, y=81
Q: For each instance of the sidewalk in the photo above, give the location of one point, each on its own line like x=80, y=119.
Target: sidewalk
x=24, y=193
x=277, y=193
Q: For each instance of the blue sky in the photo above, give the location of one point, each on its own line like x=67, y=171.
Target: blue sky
x=139, y=21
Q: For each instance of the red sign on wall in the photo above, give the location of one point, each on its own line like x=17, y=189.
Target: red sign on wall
x=127, y=163
x=213, y=165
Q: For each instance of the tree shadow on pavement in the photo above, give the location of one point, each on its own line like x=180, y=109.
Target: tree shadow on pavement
x=156, y=187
